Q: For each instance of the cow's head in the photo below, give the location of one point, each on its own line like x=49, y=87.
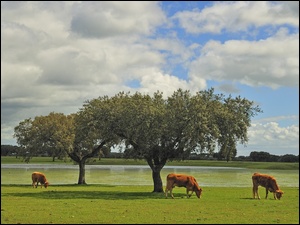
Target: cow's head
x=199, y=192
x=46, y=184
x=279, y=194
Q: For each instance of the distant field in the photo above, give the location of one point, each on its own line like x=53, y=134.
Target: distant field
x=117, y=161
x=103, y=204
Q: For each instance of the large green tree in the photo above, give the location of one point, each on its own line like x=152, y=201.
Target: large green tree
x=159, y=129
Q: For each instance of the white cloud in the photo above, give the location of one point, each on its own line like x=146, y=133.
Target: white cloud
x=40, y=16
x=272, y=133
x=166, y=83
x=270, y=137
x=239, y=16
x=107, y=19
x=271, y=62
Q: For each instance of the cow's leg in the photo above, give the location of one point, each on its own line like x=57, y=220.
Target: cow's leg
x=34, y=183
x=171, y=192
x=187, y=193
x=275, y=197
x=267, y=193
x=166, y=192
x=255, y=192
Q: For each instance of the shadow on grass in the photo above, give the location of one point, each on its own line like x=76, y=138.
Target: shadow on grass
x=57, y=185
x=116, y=195
x=262, y=199
x=108, y=195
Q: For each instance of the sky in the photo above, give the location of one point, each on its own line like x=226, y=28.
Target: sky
x=55, y=55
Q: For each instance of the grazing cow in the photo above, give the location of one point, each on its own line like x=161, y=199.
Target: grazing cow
x=268, y=182
x=37, y=178
x=181, y=180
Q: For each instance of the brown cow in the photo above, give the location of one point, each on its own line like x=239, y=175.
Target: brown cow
x=182, y=180
x=37, y=178
x=267, y=181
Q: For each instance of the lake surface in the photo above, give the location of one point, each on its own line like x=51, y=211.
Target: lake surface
x=141, y=175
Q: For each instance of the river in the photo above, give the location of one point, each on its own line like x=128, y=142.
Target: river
x=141, y=175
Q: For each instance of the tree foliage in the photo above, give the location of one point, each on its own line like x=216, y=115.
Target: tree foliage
x=153, y=128
x=159, y=129
x=52, y=134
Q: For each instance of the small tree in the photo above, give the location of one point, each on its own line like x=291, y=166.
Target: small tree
x=65, y=135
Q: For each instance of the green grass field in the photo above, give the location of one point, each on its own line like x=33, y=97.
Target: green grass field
x=74, y=204
x=108, y=204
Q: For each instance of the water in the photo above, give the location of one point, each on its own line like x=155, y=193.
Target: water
x=141, y=175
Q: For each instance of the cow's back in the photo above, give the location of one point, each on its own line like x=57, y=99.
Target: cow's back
x=179, y=180
x=182, y=180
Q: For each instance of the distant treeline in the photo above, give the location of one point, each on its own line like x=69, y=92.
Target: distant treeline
x=255, y=156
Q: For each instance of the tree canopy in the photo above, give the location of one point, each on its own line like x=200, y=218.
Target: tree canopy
x=153, y=128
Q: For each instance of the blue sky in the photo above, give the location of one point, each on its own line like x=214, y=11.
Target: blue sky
x=55, y=55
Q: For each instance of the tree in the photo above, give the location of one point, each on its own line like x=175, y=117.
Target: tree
x=260, y=156
x=289, y=158
x=152, y=128
x=136, y=120
x=10, y=150
x=161, y=130
x=233, y=118
x=57, y=132
x=52, y=134
x=92, y=134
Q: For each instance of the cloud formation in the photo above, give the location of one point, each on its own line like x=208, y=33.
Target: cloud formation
x=237, y=16
x=56, y=55
x=254, y=63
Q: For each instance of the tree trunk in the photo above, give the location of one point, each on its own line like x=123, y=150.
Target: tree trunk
x=158, y=185
x=81, y=178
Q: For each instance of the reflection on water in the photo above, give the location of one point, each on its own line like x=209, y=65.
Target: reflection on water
x=141, y=175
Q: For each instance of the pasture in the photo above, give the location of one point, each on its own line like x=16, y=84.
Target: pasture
x=226, y=198
x=107, y=204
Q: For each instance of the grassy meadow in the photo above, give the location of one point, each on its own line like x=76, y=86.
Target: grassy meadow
x=136, y=204
x=91, y=204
